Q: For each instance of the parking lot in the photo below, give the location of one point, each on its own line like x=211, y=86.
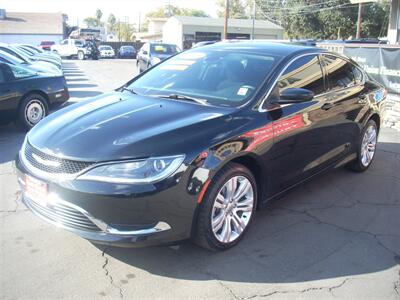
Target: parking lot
x=335, y=237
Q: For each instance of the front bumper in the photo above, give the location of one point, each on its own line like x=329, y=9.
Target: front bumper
x=136, y=216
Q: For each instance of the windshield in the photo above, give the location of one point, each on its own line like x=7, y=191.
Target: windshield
x=163, y=49
x=10, y=58
x=105, y=48
x=127, y=48
x=221, y=77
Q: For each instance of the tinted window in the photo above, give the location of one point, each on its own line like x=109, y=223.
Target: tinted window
x=305, y=72
x=358, y=75
x=64, y=42
x=220, y=77
x=2, y=79
x=163, y=49
x=340, y=72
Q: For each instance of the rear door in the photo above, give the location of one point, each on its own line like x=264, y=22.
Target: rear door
x=9, y=94
x=346, y=97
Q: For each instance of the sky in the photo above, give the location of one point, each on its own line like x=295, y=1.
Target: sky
x=77, y=10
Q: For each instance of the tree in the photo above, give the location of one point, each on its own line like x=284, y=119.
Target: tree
x=171, y=10
x=237, y=9
x=124, y=31
x=94, y=21
x=111, y=22
x=322, y=19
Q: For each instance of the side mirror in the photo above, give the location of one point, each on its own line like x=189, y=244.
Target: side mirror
x=295, y=95
x=144, y=52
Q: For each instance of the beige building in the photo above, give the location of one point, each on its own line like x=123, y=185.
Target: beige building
x=184, y=31
x=154, y=30
x=31, y=28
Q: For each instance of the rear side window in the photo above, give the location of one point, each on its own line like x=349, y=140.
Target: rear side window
x=305, y=72
x=358, y=75
x=340, y=73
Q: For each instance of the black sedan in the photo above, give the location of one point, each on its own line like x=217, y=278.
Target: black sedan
x=26, y=96
x=192, y=147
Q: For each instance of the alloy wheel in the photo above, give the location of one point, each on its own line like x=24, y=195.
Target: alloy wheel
x=232, y=209
x=368, y=145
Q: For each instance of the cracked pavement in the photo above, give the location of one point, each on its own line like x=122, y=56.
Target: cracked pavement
x=334, y=237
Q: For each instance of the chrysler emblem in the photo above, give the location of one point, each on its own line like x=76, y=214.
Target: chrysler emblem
x=45, y=162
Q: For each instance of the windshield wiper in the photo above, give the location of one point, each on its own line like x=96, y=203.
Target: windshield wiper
x=129, y=90
x=183, y=97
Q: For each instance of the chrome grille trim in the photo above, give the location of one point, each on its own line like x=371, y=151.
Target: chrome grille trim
x=69, y=169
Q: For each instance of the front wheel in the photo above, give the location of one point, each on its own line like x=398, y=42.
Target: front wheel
x=366, y=148
x=227, y=208
x=33, y=109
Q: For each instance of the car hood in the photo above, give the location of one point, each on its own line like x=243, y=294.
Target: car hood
x=118, y=126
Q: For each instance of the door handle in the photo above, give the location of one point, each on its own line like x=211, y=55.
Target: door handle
x=327, y=106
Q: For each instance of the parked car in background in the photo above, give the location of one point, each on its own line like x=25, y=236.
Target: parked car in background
x=192, y=147
x=12, y=50
x=152, y=53
x=41, y=53
x=46, y=45
x=27, y=96
x=35, y=66
x=127, y=52
x=106, y=51
x=71, y=48
x=41, y=57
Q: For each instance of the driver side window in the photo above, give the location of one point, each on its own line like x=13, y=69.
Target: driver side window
x=305, y=72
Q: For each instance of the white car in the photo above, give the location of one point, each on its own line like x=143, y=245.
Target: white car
x=71, y=48
x=106, y=51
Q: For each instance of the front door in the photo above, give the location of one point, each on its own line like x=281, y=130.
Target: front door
x=304, y=133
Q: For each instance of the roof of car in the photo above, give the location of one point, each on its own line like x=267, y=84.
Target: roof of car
x=270, y=47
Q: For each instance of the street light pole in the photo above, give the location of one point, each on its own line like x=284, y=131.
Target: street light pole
x=226, y=19
x=254, y=19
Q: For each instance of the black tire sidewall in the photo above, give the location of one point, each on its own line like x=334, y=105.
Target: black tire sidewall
x=21, y=121
x=226, y=173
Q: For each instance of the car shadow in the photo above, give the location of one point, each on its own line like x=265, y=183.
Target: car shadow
x=11, y=139
x=340, y=224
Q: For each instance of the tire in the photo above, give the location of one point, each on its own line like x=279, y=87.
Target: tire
x=224, y=213
x=366, y=148
x=33, y=108
x=81, y=55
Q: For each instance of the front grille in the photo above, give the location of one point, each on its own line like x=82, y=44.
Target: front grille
x=60, y=166
x=63, y=215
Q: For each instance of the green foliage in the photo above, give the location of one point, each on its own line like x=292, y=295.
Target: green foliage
x=124, y=31
x=94, y=21
x=317, y=19
x=171, y=10
x=237, y=9
x=111, y=22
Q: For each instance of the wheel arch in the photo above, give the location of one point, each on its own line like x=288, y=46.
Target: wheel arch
x=39, y=92
x=377, y=119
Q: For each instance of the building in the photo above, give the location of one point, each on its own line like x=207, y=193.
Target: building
x=154, y=30
x=31, y=28
x=184, y=31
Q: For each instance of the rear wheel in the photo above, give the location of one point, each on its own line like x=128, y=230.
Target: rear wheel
x=33, y=108
x=366, y=149
x=227, y=208
x=81, y=55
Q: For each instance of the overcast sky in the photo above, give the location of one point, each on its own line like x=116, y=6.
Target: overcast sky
x=79, y=9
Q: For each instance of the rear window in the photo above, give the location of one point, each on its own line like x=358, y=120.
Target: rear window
x=21, y=73
x=163, y=49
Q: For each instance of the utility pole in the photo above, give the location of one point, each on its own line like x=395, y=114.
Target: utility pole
x=359, y=20
x=254, y=19
x=139, y=23
x=226, y=19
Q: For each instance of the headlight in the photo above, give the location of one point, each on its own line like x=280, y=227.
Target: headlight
x=155, y=60
x=135, y=172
